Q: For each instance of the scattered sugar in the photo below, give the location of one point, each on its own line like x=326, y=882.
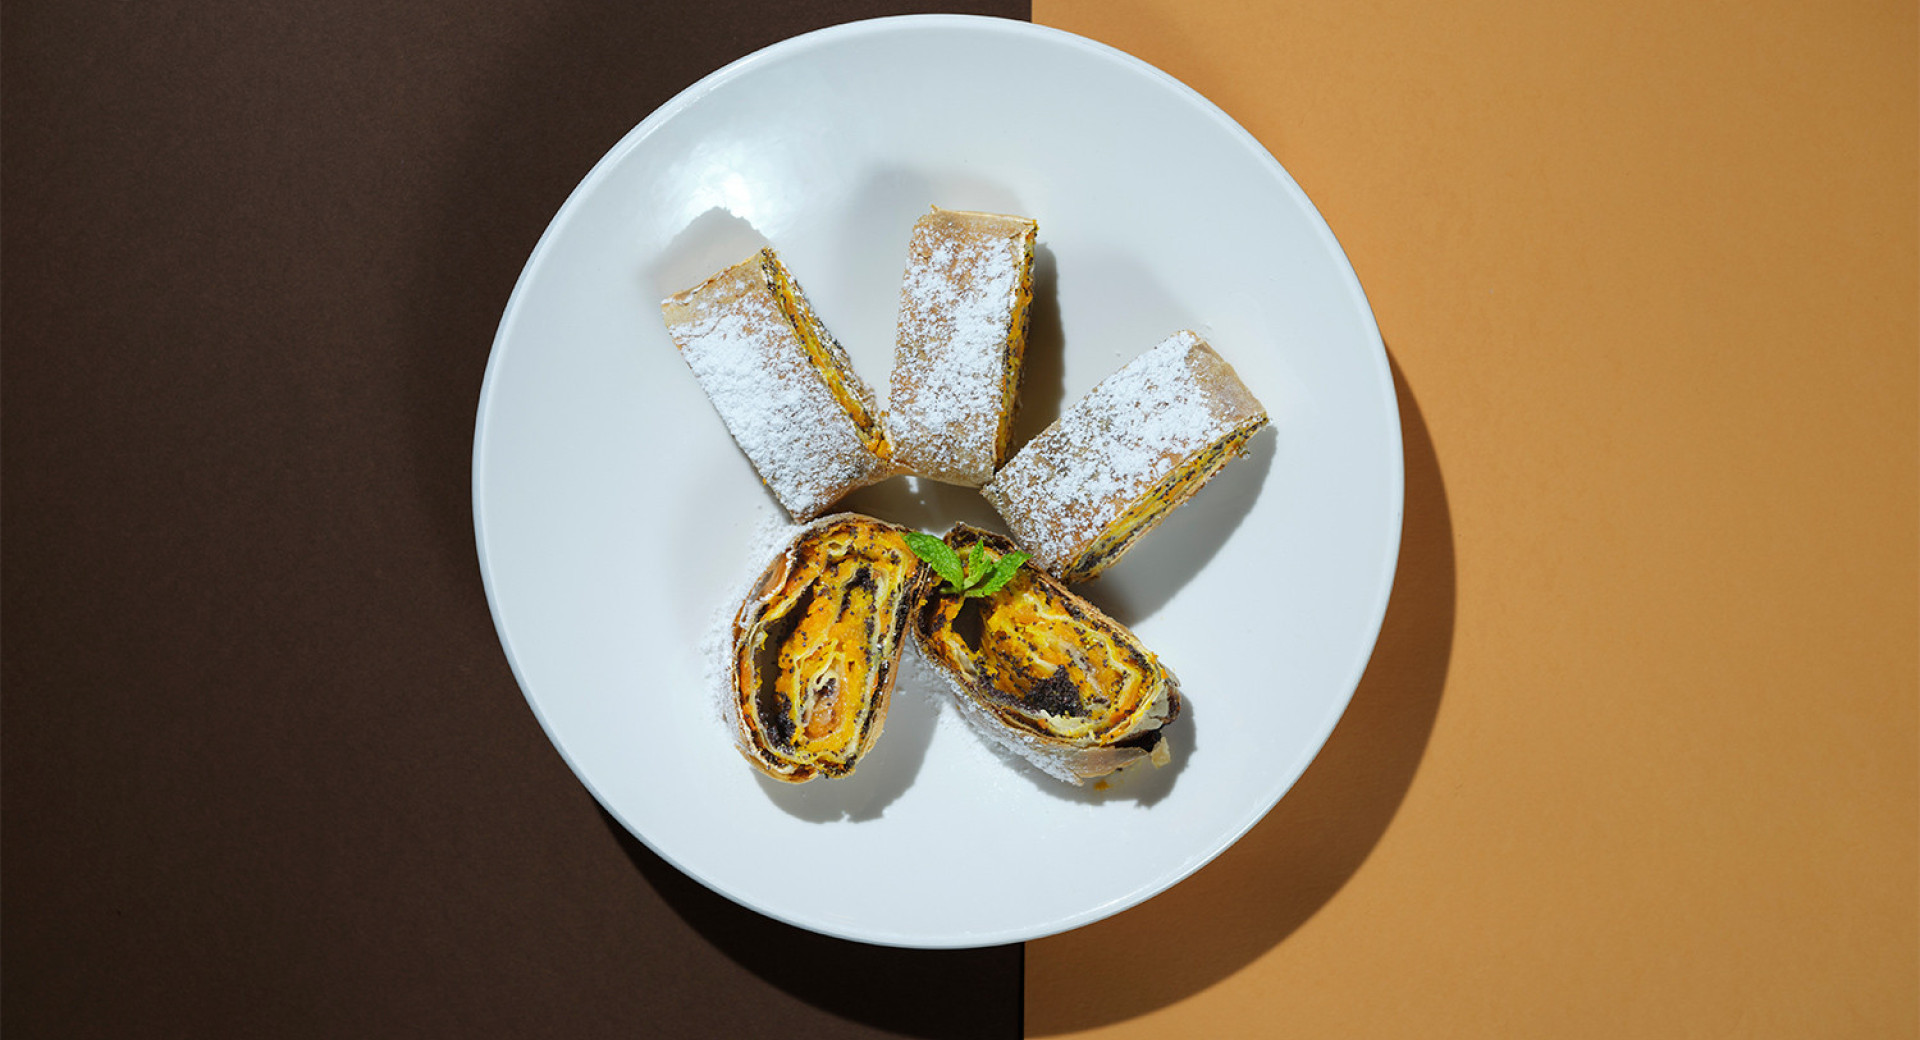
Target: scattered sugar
x=957, y=306
x=1011, y=746
x=768, y=540
x=1108, y=449
x=979, y=742
x=756, y=372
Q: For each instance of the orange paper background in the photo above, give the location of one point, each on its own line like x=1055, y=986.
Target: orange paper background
x=1637, y=753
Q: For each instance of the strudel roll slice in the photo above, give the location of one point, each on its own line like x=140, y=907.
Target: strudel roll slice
x=1046, y=675
x=965, y=305
x=781, y=383
x=816, y=647
x=1124, y=456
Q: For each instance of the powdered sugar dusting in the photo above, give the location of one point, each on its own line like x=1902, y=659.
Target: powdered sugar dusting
x=959, y=300
x=1113, y=446
x=716, y=648
x=755, y=369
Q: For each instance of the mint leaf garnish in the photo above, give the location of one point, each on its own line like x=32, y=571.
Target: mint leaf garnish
x=1004, y=569
x=939, y=555
x=977, y=567
x=978, y=575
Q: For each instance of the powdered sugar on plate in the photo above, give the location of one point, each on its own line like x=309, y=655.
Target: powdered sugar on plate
x=716, y=650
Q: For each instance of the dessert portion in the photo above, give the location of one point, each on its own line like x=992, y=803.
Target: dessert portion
x=781, y=383
x=1124, y=456
x=816, y=647
x=1043, y=673
x=965, y=305
x=813, y=652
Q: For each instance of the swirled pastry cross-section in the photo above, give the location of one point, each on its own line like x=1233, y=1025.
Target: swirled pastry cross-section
x=816, y=647
x=1045, y=674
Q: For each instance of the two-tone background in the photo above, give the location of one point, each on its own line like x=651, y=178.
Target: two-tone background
x=1637, y=755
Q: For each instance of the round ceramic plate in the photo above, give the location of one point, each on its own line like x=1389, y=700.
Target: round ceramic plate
x=616, y=518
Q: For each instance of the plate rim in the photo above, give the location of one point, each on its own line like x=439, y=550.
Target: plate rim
x=1378, y=360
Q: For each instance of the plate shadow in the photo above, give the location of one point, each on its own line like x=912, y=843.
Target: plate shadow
x=1043, y=365
x=1294, y=861
x=884, y=773
x=922, y=504
x=933, y=994
x=1164, y=559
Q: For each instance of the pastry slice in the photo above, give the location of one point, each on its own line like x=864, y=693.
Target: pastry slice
x=1046, y=675
x=816, y=647
x=965, y=304
x=1116, y=463
x=781, y=383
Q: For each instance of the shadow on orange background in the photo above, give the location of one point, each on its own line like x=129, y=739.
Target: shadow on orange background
x=1284, y=870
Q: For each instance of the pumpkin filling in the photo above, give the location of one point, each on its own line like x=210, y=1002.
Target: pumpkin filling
x=816, y=646
x=1041, y=660
x=1014, y=360
x=828, y=357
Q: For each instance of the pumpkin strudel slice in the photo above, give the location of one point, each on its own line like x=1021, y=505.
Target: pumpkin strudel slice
x=1044, y=674
x=781, y=383
x=965, y=306
x=1124, y=456
x=816, y=647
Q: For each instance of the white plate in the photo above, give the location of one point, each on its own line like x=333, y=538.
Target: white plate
x=615, y=516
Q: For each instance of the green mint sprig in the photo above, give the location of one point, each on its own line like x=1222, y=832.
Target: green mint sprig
x=976, y=576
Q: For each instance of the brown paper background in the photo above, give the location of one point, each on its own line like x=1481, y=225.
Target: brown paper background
x=266, y=771
x=1637, y=753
